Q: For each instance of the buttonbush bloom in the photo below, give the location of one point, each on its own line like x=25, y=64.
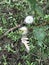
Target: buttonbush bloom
x=29, y=20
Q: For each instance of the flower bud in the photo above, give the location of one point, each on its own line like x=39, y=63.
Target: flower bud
x=24, y=30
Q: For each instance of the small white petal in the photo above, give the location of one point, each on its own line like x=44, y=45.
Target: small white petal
x=24, y=41
x=29, y=20
x=27, y=47
x=24, y=38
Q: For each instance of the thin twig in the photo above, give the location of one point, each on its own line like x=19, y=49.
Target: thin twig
x=11, y=29
x=42, y=24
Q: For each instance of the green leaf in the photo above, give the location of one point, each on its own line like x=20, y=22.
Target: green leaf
x=39, y=35
x=28, y=63
x=4, y=20
x=1, y=30
x=39, y=11
x=46, y=17
x=32, y=3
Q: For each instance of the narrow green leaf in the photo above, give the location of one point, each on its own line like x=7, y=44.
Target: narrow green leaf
x=4, y=20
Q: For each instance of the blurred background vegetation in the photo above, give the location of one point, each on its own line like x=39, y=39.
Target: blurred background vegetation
x=12, y=13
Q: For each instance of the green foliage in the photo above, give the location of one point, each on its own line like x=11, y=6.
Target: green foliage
x=15, y=35
x=33, y=3
x=29, y=63
x=1, y=30
x=39, y=11
x=4, y=20
x=0, y=49
x=39, y=34
x=36, y=8
x=12, y=13
x=5, y=62
x=19, y=63
x=46, y=17
x=9, y=49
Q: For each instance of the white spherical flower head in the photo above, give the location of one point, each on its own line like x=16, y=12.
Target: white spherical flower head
x=29, y=20
x=24, y=30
